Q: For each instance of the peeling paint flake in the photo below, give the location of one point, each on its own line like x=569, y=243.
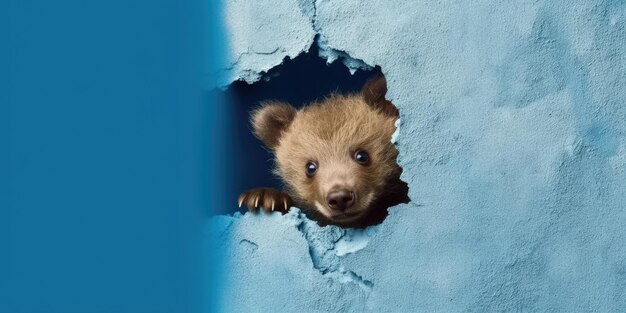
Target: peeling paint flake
x=260, y=38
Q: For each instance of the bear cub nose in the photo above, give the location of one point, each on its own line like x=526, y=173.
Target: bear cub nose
x=340, y=200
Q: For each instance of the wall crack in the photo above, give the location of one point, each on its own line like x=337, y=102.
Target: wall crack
x=323, y=243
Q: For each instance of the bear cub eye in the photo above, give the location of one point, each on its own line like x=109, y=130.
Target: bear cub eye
x=362, y=157
x=311, y=168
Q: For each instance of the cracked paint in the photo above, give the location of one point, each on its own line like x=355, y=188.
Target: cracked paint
x=251, y=56
x=328, y=244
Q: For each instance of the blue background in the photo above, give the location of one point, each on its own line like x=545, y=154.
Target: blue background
x=109, y=162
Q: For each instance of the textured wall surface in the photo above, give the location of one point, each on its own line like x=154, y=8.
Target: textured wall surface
x=512, y=139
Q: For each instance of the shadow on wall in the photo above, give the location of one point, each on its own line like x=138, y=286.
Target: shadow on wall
x=298, y=81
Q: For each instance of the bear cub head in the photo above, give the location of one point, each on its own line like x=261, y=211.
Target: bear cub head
x=335, y=156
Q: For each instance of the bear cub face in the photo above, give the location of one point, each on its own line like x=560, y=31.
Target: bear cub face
x=335, y=157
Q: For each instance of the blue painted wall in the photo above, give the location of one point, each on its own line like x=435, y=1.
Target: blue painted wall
x=512, y=138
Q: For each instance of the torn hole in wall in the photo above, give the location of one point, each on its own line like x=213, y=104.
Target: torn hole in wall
x=299, y=81
x=335, y=159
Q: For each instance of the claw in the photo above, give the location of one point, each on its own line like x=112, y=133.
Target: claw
x=285, y=202
x=256, y=202
x=240, y=201
x=273, y=205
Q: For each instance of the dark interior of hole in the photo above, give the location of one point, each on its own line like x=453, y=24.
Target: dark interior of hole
x=298, y=82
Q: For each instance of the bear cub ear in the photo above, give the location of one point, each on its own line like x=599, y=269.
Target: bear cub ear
x=373, y=93
x=271, y=120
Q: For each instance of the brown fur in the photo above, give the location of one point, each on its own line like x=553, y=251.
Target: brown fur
x=271, y=120
x=330, y=132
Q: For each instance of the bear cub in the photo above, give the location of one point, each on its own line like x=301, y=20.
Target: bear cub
x=335, y=157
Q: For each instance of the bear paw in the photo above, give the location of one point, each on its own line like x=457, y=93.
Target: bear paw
x=269, y=199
